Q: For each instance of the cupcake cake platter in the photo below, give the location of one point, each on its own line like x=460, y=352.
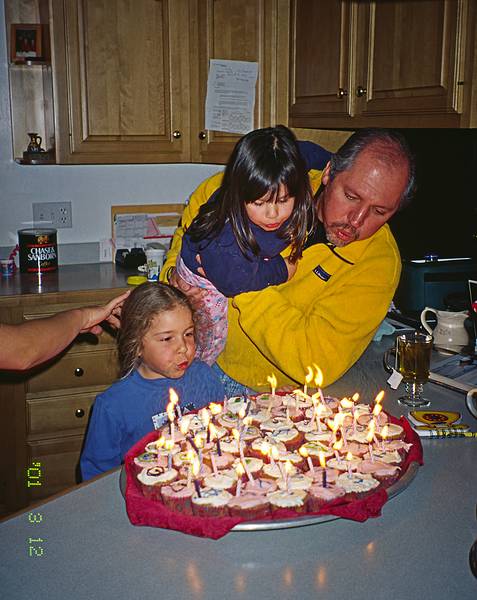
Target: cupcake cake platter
x=272, y=461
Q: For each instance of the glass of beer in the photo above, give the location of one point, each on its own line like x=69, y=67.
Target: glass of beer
x=413, y=358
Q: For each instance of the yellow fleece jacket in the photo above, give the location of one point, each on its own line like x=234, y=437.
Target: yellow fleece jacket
x=325, y=315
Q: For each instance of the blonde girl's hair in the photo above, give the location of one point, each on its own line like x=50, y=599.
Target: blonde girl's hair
x=144, y=303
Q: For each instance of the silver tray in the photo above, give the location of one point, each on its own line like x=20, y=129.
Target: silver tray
x=393, y=490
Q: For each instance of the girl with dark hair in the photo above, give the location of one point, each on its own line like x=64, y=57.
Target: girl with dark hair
x=156, y=352
x=261, y=208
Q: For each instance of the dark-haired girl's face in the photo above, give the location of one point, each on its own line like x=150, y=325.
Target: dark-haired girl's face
x=271, y=210
x=168, y=347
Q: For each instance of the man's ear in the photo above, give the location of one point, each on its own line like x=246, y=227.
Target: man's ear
x=326, y=174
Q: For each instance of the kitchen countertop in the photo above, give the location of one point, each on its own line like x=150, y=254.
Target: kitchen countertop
x=417, y=548
x=68, y=278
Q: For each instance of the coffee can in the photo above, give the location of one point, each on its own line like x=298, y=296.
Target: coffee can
x=38, y=250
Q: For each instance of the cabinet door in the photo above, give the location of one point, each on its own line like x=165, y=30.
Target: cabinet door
x=412, y=61
x=121, y=80
x=234, y=30
x=322, y=61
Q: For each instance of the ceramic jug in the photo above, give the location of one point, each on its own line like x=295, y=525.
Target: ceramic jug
x=449, y=333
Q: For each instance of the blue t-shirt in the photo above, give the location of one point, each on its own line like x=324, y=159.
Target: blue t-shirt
x=122, y=414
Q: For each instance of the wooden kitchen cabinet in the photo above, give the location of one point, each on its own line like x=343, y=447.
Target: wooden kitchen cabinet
x=130, y=76
x=401, y=63
x=44, y=411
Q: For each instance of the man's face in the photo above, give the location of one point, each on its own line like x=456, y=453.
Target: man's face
x=357, y=202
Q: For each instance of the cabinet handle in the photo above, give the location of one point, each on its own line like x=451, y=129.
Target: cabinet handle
x=79, y=372
x=79, y=412
x=202, y=135
x=176, y=134
x=341, y=93
x=361, y=91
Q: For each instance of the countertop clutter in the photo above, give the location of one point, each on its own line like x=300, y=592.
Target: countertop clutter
x=82, y=544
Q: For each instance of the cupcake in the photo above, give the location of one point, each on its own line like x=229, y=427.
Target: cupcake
x=222, y=461
x=148, y=459
x=249, y=507
x=318, y=495
x=294, y=500
x=298, y=481
x=219, y=481
x=250, y=433
x=291, y=437
x=253, y=465
x=211, y=502
x=259, y=486
x=268, y=401
x=385, y=473
x=357, y=485
x=153, y=478
x=178, y=496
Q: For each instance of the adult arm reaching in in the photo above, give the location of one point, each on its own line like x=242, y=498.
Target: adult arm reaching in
x=29, y=344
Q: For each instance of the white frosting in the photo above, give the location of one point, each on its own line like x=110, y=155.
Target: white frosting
x=236, y=403
x=357, y=482
x=276, y=423
x=254, y=465
x=155, y=475
x=212, y=497
x=284, y=499
x=219, y=481
x=299, y=481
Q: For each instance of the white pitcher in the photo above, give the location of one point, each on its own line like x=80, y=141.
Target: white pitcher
x=449, y=333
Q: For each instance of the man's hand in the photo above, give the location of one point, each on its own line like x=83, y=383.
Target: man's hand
x=110, y=312
x=195, y=294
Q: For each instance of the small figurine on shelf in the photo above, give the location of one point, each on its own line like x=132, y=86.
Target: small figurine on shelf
x=35, y=154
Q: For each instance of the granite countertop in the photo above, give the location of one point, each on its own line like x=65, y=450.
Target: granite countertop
x=68, y=278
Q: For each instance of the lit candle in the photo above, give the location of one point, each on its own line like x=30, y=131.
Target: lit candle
x=288, y=471
x=240, y=471
x=308, y=379
x=304, y=452
x=274, y=455
x=370, y=438
x=384, y=435
x=195, y=472
x=321, y=456
x=272, y=380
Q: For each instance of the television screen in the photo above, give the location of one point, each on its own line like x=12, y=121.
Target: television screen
x=442, y=218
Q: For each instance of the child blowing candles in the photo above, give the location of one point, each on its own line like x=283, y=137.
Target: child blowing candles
x=156, y=352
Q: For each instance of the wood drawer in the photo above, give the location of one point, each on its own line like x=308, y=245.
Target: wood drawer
x=75, y=370
x=62, y=413
x=59, y=465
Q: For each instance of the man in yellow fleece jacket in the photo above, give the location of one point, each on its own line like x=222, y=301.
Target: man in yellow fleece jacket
x=329, y=311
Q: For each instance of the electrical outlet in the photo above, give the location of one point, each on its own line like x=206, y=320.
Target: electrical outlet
x=54, y=214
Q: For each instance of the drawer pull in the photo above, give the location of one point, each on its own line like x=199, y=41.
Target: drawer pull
x=79, y=412
x=79, y=372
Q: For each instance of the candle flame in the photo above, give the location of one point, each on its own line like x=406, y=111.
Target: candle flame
x=318, y=376
x=303, y=451
x=195, y=466
x=332, y=424
x=309, y=375
x=160, y=442
x=239, y=469
x=213, y=431
x=379, y=397
x=215, y=408
x=321, y=456
x=173, y=397
x=236, y=434
x=355, y=397
x=169, y=444
x=385, y=432
x=349, y=456
x=274, y=453
x=204, y=417
x=288, y=467
x=371, y=428
x=170, y=411
x=272, y=380
x=339, y=419
x=198, y=441
x=346, y=403
x=377, y=409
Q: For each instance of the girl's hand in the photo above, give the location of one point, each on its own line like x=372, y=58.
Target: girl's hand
x=291, y=268
x=194, y=294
